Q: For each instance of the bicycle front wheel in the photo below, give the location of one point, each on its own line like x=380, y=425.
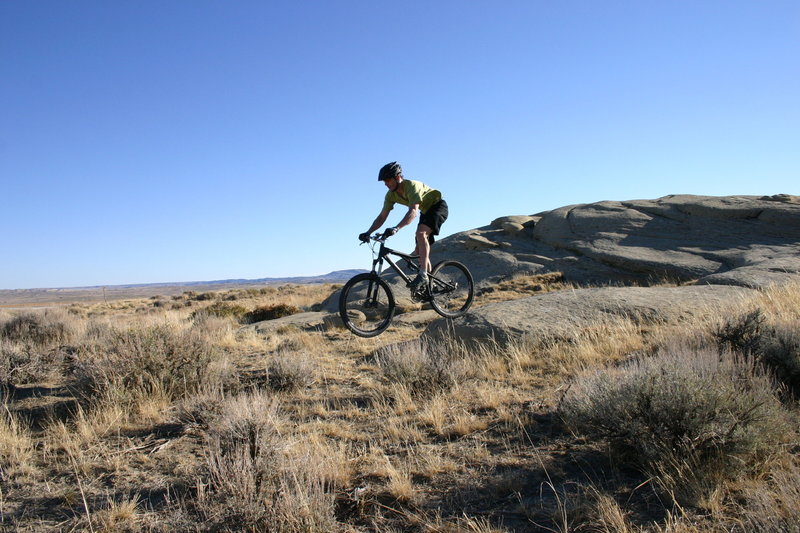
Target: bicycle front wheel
x=366, y=305
x=451, y=289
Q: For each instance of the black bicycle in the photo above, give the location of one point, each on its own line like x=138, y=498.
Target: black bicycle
x=367, y=303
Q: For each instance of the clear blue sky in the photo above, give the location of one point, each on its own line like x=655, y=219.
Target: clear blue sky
x=178, y=140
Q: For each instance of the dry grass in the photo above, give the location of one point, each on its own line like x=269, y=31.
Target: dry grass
x=773, y=504
x=16, y=446
x=303, y=297
x=255, y=479
x=118, y=514
x=423, y=368
x=132, y=416
x=289, y=371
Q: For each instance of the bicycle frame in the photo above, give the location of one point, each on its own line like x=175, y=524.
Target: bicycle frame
x=367, y=302
x=384, y=254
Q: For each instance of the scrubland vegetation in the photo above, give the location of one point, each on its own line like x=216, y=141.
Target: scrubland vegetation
x=171, y=415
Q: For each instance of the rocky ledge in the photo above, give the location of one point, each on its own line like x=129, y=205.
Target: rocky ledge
x=731, y=240
x=721, y=247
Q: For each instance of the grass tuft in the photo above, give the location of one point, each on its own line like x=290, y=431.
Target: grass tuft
x=289, y=372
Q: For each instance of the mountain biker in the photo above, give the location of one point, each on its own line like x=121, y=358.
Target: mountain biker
x=420, y=199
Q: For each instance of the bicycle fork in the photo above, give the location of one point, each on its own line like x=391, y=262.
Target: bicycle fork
x=372, y=295
x=373, y=288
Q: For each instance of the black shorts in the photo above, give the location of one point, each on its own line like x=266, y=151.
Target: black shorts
x=435, y=217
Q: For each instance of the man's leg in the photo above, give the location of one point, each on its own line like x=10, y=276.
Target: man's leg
x=424, y=251
x=424, y=247
x=429, y=224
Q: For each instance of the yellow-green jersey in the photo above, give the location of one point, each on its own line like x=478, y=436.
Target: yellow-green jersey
x=415, y=192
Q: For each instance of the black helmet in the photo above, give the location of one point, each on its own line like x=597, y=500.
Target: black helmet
x=390, y=170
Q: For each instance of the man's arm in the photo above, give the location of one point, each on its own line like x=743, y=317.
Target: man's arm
x=413, y=211
x=378, y=221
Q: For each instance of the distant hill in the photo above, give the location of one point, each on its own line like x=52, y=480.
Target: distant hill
x=64, y=295
x=332, y=277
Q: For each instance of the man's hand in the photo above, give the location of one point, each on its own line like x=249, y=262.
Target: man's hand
x=390, y=231
x=363, y=237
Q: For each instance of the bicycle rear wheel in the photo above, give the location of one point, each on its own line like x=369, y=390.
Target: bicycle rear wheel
x=366, y=305
x=451, y=289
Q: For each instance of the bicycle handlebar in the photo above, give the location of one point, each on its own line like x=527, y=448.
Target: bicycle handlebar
x=378, y=237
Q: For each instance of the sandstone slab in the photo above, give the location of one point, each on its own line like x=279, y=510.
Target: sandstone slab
x=561, y=314
x=309, y=320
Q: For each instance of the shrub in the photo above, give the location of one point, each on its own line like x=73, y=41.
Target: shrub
x=48, y=327
x=205, y=296
x=742, y=333
x=422, y=367
x=269, y=312
x=23, y=363
x=692, y=418
x=145, y=360
x=779, y=350
x=32, y=345
x=776, y=346
x=13, y=358
x=222, y=310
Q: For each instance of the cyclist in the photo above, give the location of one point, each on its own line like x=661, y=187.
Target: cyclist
x=420, y=199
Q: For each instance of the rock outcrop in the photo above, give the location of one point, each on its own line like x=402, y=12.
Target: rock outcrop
x=561, y=314
x=733, y=240
x=724, y=247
